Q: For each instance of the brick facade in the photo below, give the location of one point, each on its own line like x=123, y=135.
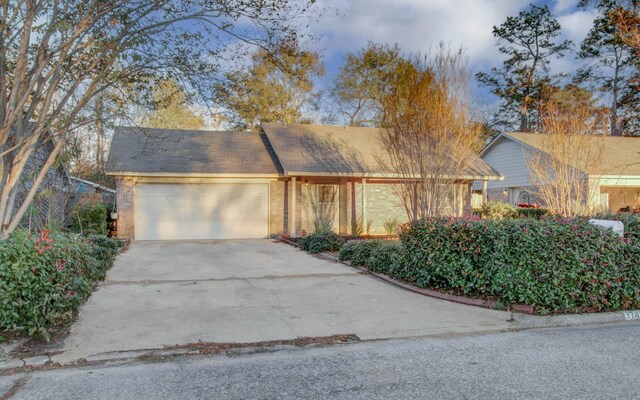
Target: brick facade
x=124, y=203
x=381, y=204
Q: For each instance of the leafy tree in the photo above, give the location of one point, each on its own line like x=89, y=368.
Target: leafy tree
x=610, y=64
x=170, y=108
x=529, y=40
x=57, y=56
x=364, y=80
x=274, y=89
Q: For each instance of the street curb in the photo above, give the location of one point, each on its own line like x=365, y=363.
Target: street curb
x=520, y=322
x=46, y=362
x=573, y=320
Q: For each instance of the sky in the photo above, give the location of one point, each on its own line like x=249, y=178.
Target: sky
x=418, y=25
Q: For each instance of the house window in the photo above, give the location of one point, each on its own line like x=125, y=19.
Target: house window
x=326, y=195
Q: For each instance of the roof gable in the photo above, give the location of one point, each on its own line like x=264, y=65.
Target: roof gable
x=620, y=155
x=339, y=150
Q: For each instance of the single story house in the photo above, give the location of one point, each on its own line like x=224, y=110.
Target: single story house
x=182, y=185
x=616, y=176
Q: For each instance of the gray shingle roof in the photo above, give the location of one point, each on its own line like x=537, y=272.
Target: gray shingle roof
x=620, y=155
x=157, y=151
x=337, y=150
x=282, y=149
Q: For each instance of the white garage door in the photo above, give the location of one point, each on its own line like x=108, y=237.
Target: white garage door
x=201, y=211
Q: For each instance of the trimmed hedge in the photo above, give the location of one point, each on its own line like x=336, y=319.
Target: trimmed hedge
x=321, y=242
x=386, y=259
x=89, y=217
x=554, y=265
x=358, y=251
x=382, y=256
x=498, y=210
x=536, y=213
x=44, y=278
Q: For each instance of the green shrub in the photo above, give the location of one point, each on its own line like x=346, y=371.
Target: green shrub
x=321, y=242
x=90, y=217
x=45, y=278
x=385, y=259
x=358, y=251
x=555, y=265
x=498, y=210
x=536, y=213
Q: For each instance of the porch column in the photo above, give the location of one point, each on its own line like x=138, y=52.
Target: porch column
x=293, y=225
x=364, y=201
x=354, y=216
x=485, y=188
x=343, y=207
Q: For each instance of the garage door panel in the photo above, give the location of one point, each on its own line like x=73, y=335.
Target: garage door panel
x=201, y=211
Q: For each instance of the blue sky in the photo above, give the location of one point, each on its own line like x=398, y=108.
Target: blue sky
x=417, y=25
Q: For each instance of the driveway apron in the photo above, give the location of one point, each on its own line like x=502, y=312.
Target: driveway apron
x=243, y=291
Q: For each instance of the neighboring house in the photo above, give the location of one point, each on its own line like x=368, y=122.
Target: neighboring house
x=174, y=184
x=82, y=187
x=617, y=175
x=51, y=200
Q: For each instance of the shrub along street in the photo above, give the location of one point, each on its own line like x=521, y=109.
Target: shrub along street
x=556, y=265
x=45, y=278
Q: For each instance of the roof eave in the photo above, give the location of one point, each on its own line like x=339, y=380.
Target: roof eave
x=191, y=174
x=388, y=175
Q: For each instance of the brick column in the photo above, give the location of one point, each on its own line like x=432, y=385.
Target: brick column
x=124, y=202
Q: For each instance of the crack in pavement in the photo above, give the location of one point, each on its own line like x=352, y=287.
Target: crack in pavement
x=17, y=385
x=265, y=277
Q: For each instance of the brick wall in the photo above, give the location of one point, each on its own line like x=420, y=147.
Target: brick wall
x=278, y=207
x=382, y=204
x=124, y=203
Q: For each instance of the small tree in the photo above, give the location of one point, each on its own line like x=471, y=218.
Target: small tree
x=274, y=89
x=570, y=149
x=170, y=108
x=364, y=80
x=428, y=132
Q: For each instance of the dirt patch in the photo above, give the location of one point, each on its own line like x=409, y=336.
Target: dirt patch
x=195, y=349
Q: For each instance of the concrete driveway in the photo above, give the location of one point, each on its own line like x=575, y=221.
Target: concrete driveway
x=168, y=293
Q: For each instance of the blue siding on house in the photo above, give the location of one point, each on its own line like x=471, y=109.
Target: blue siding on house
x=508, y=158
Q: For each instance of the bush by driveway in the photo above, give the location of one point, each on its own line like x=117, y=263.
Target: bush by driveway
x=44, y=278
x=554, y=265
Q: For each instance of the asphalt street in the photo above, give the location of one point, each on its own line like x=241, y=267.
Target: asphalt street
x=601, y=362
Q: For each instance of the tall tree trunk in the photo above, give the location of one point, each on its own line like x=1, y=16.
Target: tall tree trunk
x=524, y=108
x=99, y=135
x=616, y=129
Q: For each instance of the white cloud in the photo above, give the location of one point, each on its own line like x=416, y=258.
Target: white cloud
x=575, y=27
x=418, y=25
x=561, y=6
